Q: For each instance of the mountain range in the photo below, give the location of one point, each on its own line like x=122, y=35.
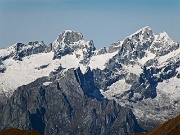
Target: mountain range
x=70, y=87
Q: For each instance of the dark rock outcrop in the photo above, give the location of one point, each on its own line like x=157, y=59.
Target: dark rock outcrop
x=2, y=67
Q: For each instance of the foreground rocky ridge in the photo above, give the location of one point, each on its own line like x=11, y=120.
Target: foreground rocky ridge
x=140, y=72
x=62, y=104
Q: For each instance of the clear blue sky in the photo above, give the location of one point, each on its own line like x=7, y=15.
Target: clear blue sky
x=104, y=21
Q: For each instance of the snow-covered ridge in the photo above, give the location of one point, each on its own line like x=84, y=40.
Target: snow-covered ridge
x=24, y=63
x=70, y=50
x=7, y=52
x=19, y=73
x=19, y=50
x=99, y=61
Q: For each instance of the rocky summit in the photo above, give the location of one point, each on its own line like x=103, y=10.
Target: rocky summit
x=70, y=87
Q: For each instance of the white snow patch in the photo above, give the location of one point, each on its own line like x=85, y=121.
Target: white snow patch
x=8, y=51
x=68, y=61
x=165, y=38
x=99, y=61
x=178, y=69
x=171, y=87
x=164, y=35
x=147, y=57
x=169, y=55
x=4, y=52
x=116, y=88
x=135, y=69
x=20, y=73
x=83, y=68
x=47, y=83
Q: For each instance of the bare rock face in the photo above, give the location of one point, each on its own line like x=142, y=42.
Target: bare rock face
x=2, y=67
x=66, y=104
x=69, y=36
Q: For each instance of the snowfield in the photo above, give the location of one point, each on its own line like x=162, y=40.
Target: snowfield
x=23, y=72
x=99, y=61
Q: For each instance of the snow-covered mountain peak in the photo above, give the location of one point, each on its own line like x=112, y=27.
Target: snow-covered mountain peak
x=139, y=41
x=70, y=42
x=70, y=36
x=141, y=34
x=163, y=44
x=163, y=36
x=144, y=29
x=67, y=37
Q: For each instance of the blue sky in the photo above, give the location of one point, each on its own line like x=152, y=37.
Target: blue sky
x=104, y=21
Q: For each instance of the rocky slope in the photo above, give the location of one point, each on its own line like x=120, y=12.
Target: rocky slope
x=140, y=72
x=171, y=127
x=66, y=103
